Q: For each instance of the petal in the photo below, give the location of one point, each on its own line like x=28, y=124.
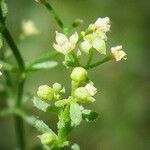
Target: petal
x=74, y=38
x=99, y=45
x=61, y=38
x=59, y=48
x=85, y=46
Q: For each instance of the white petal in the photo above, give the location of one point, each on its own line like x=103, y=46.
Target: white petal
x=91, y=89
x=86, y=46
x=99, y=45
x=74, y=38
x=59, y=48
x=61, y=38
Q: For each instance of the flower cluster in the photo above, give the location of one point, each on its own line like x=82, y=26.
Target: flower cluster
x=92, y=38
x=70, y=110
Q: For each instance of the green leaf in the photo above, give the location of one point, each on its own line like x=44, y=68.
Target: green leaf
x=62, y=103
x=41, y=126
x=75, y=147
x=41, y=105
x=89, y=115
x=75, y=114
x=4, y=8
x=42, y=66
x=7, y=67
x=46, y=57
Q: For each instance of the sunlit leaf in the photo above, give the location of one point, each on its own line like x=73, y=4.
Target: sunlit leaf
x=41, y=105
x=46, y=57
x=42, y=66
x=75, y=114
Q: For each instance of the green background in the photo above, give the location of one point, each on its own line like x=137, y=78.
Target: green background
x=123, y=98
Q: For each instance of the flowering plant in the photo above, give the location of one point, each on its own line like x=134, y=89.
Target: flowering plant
x=70, y=110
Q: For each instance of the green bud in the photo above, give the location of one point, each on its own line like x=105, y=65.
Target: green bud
x=83, y=95
x=79, y=74
x=45, y=92
x=57, y=87
x=47, y=138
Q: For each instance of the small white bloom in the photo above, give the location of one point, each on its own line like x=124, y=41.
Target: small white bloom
x=118, y=53
x=0, y=68
x=29, y=29
x=101, y=24
x=91, y=89
x=93, y=40
x=65, y=45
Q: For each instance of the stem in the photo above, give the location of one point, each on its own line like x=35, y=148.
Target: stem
x=52, y=11
x=90, y=58
x=14, y=49
x=76, y=59
x=99, y=62
x=18, y=120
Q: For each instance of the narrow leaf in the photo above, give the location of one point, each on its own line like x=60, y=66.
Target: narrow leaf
x=75, y=114
x=1, y=41
x=7, y=67
x=42, y=66
x=46, y=57
x=41, y=105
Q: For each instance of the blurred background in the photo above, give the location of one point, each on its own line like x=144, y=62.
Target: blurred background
x=123, y=100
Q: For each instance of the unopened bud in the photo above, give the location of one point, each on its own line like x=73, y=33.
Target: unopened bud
x=79, y=74
x=57, y=87
x=83, y=95
x=45, y=92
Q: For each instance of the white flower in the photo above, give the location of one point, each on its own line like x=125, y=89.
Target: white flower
x=91, y=89
x=65, y=45
x=0, y=68
x=118, y=53
x=29, y=29
x=93, y=40
x=101, y=24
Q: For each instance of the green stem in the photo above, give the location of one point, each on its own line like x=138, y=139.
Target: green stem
x=76, y=59
x=99, y=62
x=52, y=11
x=90, y=58
x=14, y=49
x=18, y=120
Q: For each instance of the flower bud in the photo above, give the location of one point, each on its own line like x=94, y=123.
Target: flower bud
x=57, y=87
x=47, y=138
x=83, y=95
x=45, y=92
x=79, y=74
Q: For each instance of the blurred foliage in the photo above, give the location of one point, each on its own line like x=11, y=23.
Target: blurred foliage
x=123, y=98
